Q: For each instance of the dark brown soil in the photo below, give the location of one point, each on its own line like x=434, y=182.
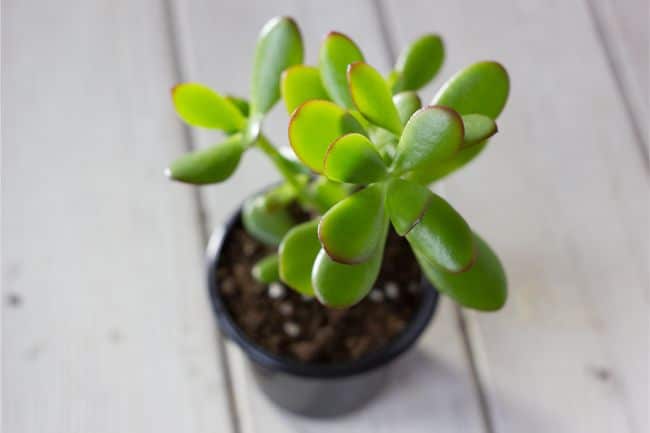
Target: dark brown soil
x=288, y=324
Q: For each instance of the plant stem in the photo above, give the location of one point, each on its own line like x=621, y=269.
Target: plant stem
x=286, y=168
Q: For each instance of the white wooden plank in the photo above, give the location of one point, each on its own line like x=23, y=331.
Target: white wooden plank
x=432, y=388
x=562, y=195
x=106, y=322
x=624, y=27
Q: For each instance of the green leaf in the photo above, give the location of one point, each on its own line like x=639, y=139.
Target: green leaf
x=353, y=159
x=336, y=53
x=350, y=231
x=362, y=120
x=266, y=226
x=407, y=103
x=241, y=104
x=278, y=47
x=384, y=141
x=266, y=270
x=327, y=193
x=211, y=165
x=372, y=97
x=279, y=197
x=199, y=105
x=419, y=63
x=478, y=128
x=391, y=79
x=339, y=285
x=433, y=134
x=481, y=88
x=448, y=166
x=482, y=287
x=299, y=84
x=316, y=124
x=443, y=237
x=297, y=252
x=406, y=203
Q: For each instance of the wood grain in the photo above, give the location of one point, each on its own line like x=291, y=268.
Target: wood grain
x=432, y=386
x=623, y=29
x=561, y=193
x=106, y=323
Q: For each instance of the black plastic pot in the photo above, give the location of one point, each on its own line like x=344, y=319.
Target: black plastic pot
x=310, y=389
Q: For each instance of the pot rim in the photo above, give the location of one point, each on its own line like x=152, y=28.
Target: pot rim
x=274, y=362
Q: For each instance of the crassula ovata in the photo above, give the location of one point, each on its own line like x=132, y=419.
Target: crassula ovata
x=366, y=150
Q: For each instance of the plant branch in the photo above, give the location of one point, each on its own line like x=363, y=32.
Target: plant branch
x=286, y=168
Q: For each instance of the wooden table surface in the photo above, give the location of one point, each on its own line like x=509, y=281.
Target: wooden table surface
x=106, y=321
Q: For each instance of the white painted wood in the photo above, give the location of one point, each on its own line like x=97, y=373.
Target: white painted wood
x=112, y=331
x=625, y=29
x=562, y=195
x=431, y=388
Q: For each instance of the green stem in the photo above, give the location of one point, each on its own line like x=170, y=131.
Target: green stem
x=286, y=169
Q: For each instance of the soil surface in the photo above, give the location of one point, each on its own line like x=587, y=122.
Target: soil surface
x=292, y=325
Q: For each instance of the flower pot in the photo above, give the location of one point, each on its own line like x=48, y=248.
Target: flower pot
x=314, y=389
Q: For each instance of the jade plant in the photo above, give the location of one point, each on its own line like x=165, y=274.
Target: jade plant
x=366, y=153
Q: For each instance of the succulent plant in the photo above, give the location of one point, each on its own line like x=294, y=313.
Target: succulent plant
x=367, y=152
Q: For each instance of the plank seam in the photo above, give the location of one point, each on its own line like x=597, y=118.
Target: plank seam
x=483, y=401
x=199, y=205
x=617, y=75
x=385, y=30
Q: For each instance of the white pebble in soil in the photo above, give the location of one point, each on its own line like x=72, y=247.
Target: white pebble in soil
x=392, y=290
x=292, y=329
x=276, y=291
x=376, y=295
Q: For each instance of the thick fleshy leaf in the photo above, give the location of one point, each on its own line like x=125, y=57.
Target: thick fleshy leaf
x=353, y=159
x=266, y=226
x=339, y=285
x=278, y=47
x=210, y=165
x=478, y=128
x=326, y=193
x=241, y=104
x=359, y=118
x=299, y=84
x=297, y=252
x=481, y=88
x=482, y=287
x=199, y=105
x=314, y=126
x=406, y=203
x=336, y=53
x=372, y=97
x=448, y=166
x=266, y=270
x=384, y=141
x=279, y=197
x=419, y=63
x=407, y=103
x=443, y=237
x=351, y=230
x=432, y=134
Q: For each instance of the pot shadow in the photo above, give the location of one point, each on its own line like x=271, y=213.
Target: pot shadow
x=424, y=391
